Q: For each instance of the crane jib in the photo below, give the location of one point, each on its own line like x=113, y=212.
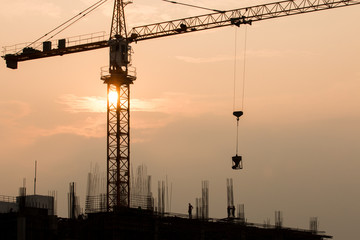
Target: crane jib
x=236, y=17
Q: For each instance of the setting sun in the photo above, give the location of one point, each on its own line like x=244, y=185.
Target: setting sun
x=113, y=96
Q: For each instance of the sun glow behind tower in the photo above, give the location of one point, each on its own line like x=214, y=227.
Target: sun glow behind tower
x=113, y=97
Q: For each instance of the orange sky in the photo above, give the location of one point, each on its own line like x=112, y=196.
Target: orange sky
x=299, y=136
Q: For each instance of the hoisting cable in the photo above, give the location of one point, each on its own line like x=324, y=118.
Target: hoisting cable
x=237, y=160
x=235, y=63
x=78, y=16
x=244, y=69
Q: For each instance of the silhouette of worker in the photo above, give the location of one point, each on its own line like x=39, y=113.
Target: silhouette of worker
x=190, y=210
x=233, y=211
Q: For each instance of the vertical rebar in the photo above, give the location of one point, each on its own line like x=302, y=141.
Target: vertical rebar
x=35, y=178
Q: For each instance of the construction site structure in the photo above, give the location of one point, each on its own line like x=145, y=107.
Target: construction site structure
x=33, y=217
x=202, y=203
x=73, y=202
x=140, y=196
x=119, y=76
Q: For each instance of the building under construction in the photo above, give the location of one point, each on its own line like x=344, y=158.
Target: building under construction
x=34, y=217
x=38, y=222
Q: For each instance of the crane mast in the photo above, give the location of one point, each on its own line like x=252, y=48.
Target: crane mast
x=118, y=82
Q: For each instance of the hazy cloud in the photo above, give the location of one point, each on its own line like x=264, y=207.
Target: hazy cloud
x=140, y=14
x=15, y=130
x=269, y=53
x=148, y=114
x=12, y=110
x=22, y=134
x=264, y=53
x=76, y=104
x=96, y=104
x=89, y=127
x=212, y=59
x=25, y=8
x=168, y=103
x=106, y=8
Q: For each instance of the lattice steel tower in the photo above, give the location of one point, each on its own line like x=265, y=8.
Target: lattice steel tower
x=118, y=80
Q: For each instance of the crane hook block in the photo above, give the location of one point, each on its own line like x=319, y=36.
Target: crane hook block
x=238, y=114
x=237, y=162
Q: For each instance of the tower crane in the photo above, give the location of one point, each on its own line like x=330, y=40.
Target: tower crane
x=119, y=76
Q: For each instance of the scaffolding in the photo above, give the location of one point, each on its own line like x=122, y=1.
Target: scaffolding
x=140, y=195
